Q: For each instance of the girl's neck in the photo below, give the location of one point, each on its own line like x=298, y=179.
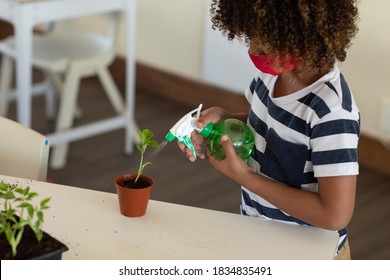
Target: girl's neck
x=291, y=82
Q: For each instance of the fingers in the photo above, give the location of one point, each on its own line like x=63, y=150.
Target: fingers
x=181, y=146
x=228, y=147
x=188, y=153
x=212, y=114
x=200, y=154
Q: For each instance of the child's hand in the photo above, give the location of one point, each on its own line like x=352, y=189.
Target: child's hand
x=232, y=166
x=213, y=115
x=197, y=141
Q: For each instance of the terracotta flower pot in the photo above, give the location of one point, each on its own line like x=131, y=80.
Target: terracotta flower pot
x=133, y=200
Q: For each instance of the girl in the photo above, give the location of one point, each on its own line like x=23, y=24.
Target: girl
x=303, y=114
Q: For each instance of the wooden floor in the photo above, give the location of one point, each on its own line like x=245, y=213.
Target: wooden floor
x=94, y=163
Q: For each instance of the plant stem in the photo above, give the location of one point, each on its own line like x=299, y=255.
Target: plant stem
x=140, y=165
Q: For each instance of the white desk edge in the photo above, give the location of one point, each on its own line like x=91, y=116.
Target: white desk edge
x=90, y=223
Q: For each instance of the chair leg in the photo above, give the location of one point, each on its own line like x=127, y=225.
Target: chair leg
x=5, y=83
x=111, y=90
x=49, y=98
x=65, y=115
x=116, y=100
x=57, y=83
x=136, y=138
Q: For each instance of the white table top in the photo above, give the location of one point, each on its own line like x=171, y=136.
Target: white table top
x=90, y=223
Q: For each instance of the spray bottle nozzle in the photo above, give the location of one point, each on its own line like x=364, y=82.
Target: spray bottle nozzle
x=170, y=137
x=183, y=128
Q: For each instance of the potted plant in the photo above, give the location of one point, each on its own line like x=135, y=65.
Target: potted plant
x=134, y=189
x=21, y=234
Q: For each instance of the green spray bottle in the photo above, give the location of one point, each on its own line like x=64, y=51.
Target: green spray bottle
x=238, y=132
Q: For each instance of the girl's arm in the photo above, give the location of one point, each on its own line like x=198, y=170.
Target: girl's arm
x=331, y=208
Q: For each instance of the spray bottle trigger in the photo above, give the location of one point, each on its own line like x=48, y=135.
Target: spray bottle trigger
x=188, y=143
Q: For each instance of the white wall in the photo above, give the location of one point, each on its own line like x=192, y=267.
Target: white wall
x=225, y=64
x=171, y=36
x=367, y=68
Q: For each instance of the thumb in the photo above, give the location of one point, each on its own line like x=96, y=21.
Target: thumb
x=200, y=123
x=228, y=147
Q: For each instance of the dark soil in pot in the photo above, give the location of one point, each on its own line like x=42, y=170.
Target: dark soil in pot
x=31, y=248
x=140, y=184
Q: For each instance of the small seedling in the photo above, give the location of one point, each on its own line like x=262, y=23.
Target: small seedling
x=146, y=141
x=19, y=212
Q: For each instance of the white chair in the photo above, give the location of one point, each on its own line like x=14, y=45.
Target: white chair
x=24, y=152
x=72, y=50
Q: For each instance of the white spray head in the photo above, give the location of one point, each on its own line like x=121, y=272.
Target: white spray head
x=183, y=128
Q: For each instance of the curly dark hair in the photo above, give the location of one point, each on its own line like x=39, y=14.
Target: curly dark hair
x=315, y=32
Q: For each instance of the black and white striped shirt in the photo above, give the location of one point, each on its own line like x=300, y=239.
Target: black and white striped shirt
x=311, y=133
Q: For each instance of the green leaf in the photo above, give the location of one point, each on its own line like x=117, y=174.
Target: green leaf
x=19, y=212
x=146, y=164
x=148, y=134
x=11, y=215
x=146, y=139
x=4, y=186
x=154, y=144
x=31, y=195
x=29, y=207
x=24, y=204
x=22, y=191
x=44, y=203
x=8, y=195
x=40, y=216
x=30, y=210
x=142, y=136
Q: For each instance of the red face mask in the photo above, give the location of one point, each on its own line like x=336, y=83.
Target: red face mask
x=265, y=65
